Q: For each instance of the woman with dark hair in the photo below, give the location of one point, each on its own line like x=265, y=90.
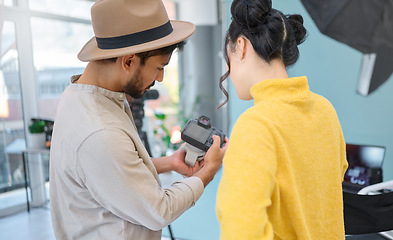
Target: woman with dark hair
x=286, y=157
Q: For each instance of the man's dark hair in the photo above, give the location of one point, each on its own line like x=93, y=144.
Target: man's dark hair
x=161, y=51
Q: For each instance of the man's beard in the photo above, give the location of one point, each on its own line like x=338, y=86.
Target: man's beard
x=134, y=87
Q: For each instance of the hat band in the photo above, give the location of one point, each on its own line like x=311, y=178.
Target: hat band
x=135, y=38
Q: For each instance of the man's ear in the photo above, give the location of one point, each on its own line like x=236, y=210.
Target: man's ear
x=128, y=61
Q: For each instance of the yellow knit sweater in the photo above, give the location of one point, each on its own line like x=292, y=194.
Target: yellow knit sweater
x=284, y=167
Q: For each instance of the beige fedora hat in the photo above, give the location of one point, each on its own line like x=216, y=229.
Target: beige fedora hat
x=124, y=27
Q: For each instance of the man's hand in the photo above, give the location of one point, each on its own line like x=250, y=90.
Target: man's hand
x=181, y=167
x=176, y=163
x=205, y=169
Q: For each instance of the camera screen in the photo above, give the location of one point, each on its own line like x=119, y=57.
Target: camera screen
x=197, y=132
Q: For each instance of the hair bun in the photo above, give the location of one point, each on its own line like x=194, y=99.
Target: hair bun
x=250, y=13
x=296, y=21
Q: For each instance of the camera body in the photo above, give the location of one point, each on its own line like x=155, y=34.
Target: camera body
x=199, y=133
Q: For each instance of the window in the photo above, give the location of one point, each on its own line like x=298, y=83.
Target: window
x=69, y=8
x=9, y=2
x=55, y=48
x=11, y=129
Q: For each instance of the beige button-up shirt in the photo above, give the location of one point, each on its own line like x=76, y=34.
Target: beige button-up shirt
x=103, y=184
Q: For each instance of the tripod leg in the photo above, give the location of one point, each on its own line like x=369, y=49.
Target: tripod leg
x=170, y=232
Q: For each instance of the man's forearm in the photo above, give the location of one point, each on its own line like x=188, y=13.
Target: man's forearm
x=162, y=164
x=206, y=175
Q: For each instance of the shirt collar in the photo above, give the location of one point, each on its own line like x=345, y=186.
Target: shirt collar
x=117, y=97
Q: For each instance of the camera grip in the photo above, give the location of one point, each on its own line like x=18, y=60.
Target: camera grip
x=192, y=154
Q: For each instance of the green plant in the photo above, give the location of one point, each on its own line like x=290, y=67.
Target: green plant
x=165, y=134
x=38, y=126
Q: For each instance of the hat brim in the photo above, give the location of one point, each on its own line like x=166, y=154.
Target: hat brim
x=181, y=31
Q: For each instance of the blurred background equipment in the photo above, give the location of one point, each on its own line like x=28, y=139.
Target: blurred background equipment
x=364, y=25
x=365, y=166
x=369, y=211
x=137, y=106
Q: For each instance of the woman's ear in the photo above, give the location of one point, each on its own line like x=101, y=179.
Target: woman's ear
x=241, y=48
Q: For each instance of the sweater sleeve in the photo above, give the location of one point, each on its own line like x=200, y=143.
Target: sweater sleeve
x=343, y=156
x=248, y=182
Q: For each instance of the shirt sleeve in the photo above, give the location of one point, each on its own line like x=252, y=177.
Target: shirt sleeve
x=247, y=183
x=118, y=179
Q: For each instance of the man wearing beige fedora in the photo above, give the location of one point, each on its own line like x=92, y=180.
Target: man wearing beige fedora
x=103, y=183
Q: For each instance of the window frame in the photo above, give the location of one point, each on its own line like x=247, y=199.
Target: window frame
x=21, y=15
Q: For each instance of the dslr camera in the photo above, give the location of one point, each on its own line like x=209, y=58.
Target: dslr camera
x=198, y=135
